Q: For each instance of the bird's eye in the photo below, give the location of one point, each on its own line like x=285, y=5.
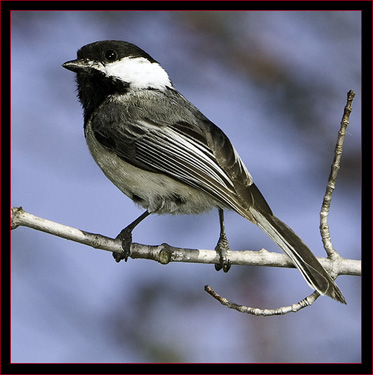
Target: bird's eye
x=110, y=55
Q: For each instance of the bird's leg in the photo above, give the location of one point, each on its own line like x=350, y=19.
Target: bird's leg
x=126, y=237
x=222, y=247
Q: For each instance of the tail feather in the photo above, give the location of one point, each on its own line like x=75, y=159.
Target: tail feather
x=302, y=257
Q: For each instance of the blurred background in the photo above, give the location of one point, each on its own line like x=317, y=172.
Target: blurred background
x=276, y=83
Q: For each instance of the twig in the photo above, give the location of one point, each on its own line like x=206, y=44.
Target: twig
x=165, y=253
x=324, y=213
x=308, y=301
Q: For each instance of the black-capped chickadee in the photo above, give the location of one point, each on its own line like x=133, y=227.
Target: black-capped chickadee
x=164, y=154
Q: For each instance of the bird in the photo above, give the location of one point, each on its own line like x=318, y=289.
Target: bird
x=165, y=155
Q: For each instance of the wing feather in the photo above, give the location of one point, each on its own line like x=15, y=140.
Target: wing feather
x=177, y=141
x=166, y=151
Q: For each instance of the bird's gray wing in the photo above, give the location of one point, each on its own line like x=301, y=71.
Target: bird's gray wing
x=166, y=134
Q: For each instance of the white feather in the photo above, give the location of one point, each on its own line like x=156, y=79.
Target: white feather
x=139, y=72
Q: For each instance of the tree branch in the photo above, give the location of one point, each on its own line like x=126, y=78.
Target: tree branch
x=324, y=213
x=308, y=301
x=165, y=253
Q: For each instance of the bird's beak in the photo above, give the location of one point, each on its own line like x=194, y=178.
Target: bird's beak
x=78, y=66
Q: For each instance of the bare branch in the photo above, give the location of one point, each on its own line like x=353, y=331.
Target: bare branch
x=308, y=301
x=19, y=217
x=324, y=213
x=165, y=253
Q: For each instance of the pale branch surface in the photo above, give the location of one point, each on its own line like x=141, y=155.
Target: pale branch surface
x=165, y=253
x=305, y=302
x=324, y=212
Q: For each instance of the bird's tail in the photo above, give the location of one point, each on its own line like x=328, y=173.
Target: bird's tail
x=302, y=257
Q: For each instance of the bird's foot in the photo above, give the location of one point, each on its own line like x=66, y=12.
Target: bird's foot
x=126, y=237
x=222, y=249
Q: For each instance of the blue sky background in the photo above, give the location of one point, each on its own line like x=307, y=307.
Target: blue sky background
x=276, y=83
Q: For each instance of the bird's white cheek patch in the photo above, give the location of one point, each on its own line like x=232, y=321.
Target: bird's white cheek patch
x=140, y=73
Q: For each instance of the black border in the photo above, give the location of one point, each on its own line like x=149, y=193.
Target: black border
x=365, y=367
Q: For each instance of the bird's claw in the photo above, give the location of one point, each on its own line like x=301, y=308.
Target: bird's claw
x=222, y=249
x=126, y=238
